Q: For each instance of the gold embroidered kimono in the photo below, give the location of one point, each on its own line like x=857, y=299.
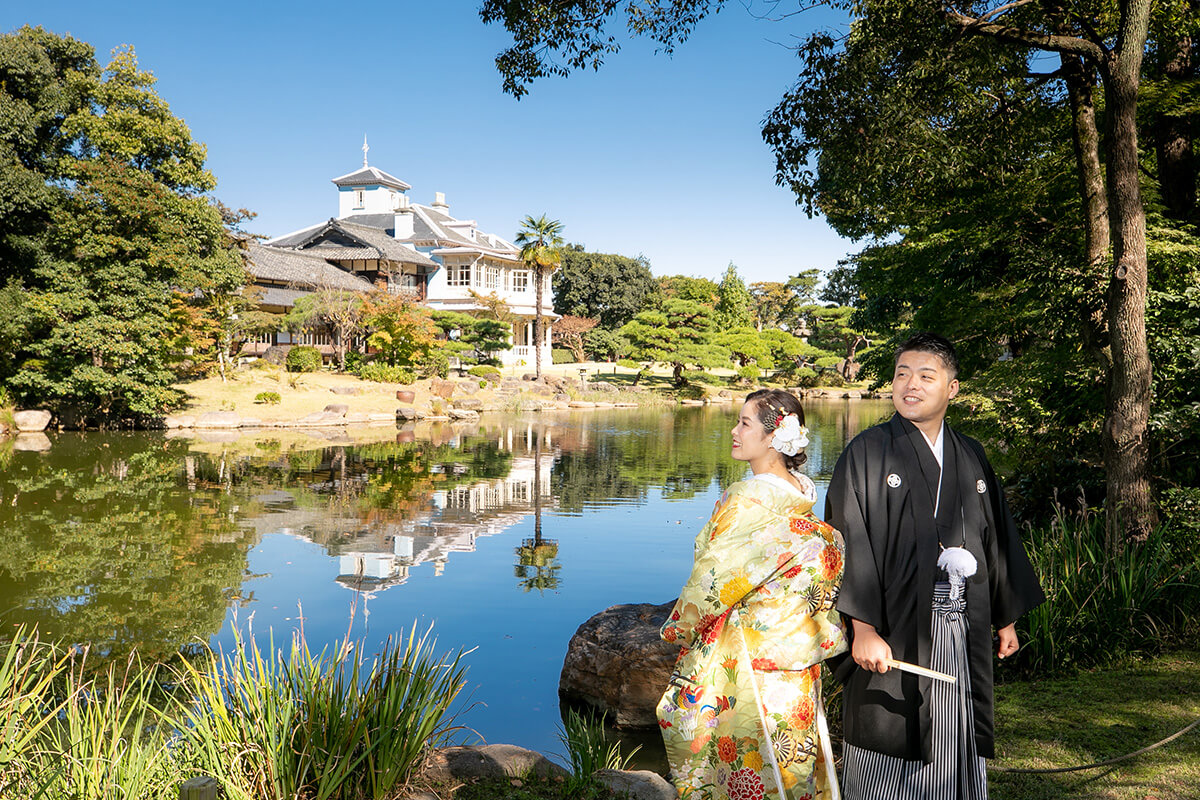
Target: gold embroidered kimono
x=764, y=553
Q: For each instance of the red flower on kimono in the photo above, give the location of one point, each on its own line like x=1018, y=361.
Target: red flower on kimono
x=712, y=627
x=803, y=713
x=745, y=785
x=831, y=562
x=662, y=723
x=801, y=525
x=794, y=571
x=726, y=749
x=670, y=634
x=763, y=664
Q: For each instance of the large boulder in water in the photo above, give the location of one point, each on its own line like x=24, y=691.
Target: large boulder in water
x=617, y=664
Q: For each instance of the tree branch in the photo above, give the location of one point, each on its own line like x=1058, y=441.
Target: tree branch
x=1009, y=33
x=995, y=12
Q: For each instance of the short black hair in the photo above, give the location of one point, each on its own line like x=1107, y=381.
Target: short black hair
x=926, y=342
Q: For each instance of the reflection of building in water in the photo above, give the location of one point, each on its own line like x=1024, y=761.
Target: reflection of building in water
x=382, y=556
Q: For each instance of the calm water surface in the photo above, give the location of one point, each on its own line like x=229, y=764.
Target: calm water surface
x=506, y=534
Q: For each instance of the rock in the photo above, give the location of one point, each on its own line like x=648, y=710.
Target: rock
x=442, y=388
x=691, y=402
x=31, y=421
x=542, y=390
x=406, y=395
x=529, y=376
x=357, y=417
x=489, y=761
x=346, y=390
x=639, y=784
x=377, y=416
x=562, y=397
x=581, y=404
x=462, y=413
x=601, y=386
x=554, y=381
x=218, y=419
x=179, y=421
x=469, y=403
x=725, y=393
x=853, y=395
x=602, y=404
x=626, y=405
x=337, y=408
x=468, y=387
x=409, y=413
x=35, y=442
x=275, y=354
x=251, y=422
x=617, y=663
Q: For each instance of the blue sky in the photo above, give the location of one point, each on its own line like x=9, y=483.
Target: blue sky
x=653, y=154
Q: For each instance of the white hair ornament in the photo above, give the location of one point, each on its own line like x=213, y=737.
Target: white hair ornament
x=790, y=436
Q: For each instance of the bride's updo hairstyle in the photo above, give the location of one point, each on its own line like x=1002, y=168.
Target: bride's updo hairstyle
x=770, y=407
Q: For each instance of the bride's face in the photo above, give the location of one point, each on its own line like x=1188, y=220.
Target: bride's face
x=750, y=439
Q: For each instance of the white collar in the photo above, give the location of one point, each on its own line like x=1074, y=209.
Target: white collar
x=938, y=444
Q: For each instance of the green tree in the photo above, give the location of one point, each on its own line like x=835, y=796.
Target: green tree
x=944, y=46
x=339, y=311
x=733, y=300
x=691, y=289
x=465, y=333
x=681, y=333
x=540, y=240
x=603, y=286
x=104, y=226
x=771, y=303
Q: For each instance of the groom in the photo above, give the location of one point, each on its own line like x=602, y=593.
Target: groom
x=901, y=493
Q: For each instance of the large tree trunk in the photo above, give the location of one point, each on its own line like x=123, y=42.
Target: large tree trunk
x=1080, y=79
x=1126, y=449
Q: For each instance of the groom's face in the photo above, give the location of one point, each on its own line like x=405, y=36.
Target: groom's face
x=922, y=387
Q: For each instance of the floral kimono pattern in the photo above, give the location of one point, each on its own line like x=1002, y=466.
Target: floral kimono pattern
x=756, y=618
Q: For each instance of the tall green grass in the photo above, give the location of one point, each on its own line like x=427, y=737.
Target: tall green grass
x=330, y=726
x=1102, y=608
x=589, y=748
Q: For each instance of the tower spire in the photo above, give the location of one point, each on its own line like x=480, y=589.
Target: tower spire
x=365, y=149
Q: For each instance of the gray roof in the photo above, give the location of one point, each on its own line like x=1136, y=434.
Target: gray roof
x=300, y=269
x=278, y=296
x=370, y=176
x=341, y=239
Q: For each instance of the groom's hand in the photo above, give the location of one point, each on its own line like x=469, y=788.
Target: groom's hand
x=1007, y=642
x=870, y=651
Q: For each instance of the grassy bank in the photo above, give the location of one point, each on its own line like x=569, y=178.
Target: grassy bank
x=1098, y=715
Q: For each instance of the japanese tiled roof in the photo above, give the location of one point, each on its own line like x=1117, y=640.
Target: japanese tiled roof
x=341, y=239
x=300, y=269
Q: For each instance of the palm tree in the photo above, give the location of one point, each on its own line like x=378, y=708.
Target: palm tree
x=540, y=240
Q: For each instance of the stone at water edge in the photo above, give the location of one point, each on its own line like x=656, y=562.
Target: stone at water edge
x=32, y=421
x=489, y=761
x=617, y=663
x=218, y=419
x=641, y=784
x=337, y=408
x=346, y=390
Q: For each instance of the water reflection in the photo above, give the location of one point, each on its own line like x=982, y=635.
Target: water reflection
x=508, y=533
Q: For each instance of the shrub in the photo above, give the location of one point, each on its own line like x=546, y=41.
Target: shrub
x=627, y=364
x=303, y=359
x=588, y=749
x=560, y=356
x=1103, y=607
x=481, y=371
x=748, y=372
x=1181, y=514
x=828, y=361
x=382, y=373
x=803, y=376
x=270, y=398
x=831, y=377
x=436, y=364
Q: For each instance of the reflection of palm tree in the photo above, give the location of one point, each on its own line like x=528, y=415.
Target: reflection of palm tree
x=537, y=558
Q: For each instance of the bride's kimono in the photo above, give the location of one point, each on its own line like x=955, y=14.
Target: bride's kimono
x=756, y=618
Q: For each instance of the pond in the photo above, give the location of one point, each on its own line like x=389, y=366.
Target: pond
x=505, y=534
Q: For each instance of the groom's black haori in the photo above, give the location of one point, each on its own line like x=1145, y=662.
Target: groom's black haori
x=882, y=498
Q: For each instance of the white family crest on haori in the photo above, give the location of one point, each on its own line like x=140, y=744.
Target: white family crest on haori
x=893, y=481
x=959, y=565
x=980, y=486
x=790, y=437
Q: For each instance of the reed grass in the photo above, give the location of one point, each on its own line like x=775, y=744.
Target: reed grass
x=589, y=749
x=1104, y=607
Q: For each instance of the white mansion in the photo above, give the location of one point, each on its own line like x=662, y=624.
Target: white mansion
x=381, y=238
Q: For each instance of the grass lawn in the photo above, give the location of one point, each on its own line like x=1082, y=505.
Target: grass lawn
x=1098, y=715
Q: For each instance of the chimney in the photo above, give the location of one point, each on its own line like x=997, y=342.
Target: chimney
x=439, y=203
x=402, y=225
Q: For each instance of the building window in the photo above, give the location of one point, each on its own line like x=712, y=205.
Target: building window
x=360, y=197
x=458, y=275
x=520, y=280
x=491, y=277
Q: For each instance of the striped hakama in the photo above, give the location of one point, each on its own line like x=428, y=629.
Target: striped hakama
x=956, y=771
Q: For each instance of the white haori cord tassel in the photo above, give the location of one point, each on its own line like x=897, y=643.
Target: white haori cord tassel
x=959, y=565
